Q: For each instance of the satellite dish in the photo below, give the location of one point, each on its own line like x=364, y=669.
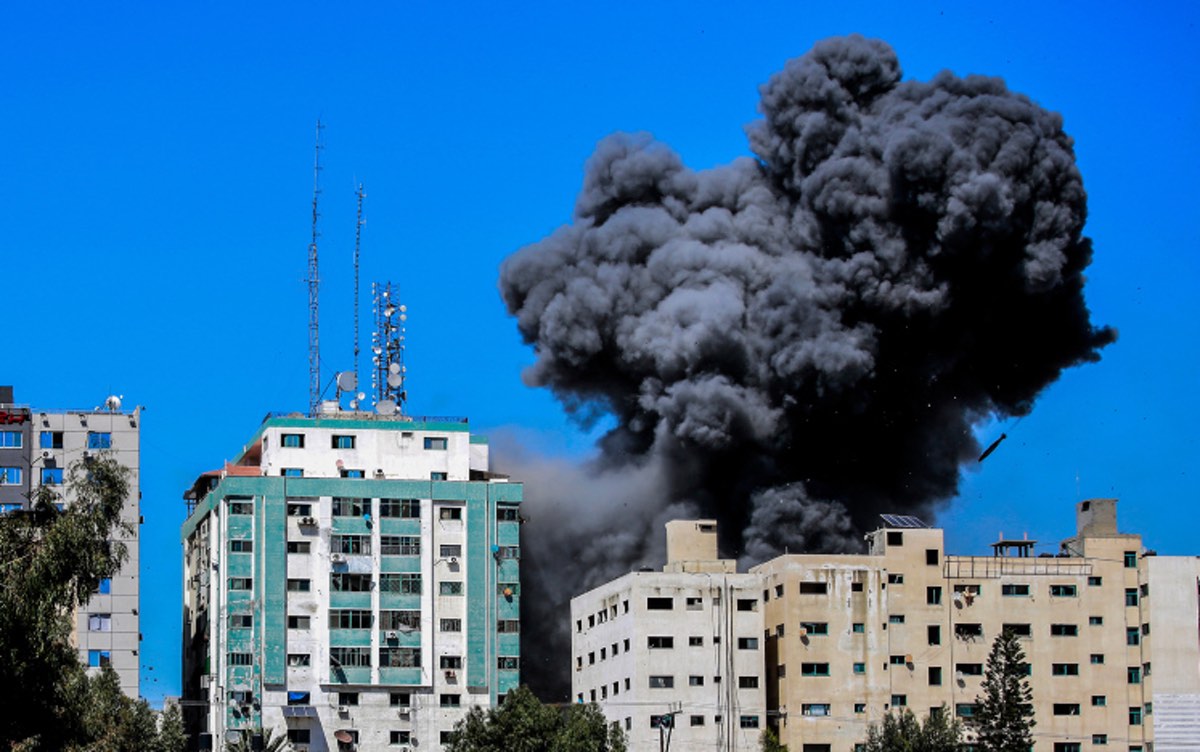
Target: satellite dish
x=343, y=736
x=347, y=381
x=386, y=407
x=233, y=736
x=360, y=396
x=395, y=380
x=403, y=309
x=394, y=368
x=113, y=403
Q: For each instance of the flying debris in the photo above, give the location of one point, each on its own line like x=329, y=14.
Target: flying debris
x=992, y=447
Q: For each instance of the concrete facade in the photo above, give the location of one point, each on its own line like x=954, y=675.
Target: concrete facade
x=37, y=448
x=684, y=643
x=352, y=581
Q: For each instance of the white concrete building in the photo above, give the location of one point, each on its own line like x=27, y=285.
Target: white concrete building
x=675, y=654
x=353, y=581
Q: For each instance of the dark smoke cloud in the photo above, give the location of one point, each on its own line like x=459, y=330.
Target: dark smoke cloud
x=796, y=342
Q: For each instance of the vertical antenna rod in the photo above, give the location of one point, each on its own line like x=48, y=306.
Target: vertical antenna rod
x=357, y=239
x=314, y=340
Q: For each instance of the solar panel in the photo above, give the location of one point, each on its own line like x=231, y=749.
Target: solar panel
x=902, y=520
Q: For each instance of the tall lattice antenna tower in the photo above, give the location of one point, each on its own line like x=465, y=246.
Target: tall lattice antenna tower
x=314, y=283
x=357, y=240
x=387, y=347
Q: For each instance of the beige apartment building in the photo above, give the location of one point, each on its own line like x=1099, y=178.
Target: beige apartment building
x=1111, y=633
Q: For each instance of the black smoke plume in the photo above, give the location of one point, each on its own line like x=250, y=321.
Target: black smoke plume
x=796, y=342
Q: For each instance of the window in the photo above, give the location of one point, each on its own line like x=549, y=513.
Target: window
x=1064, y=630
x=935, y=676
x=51, y=440
x=99, y=659
x=512, y=663
x=856, y=587
x=660, y=643
x=1064, y=669
x=860, y=707
x=452, y=587
x=660, y=604
x=1132, y=636
x=897, y=660
x=1066, y=708
x=402, y=508
x=1099, y=701
x=507, y=514
x=299, y=510
x=931, y=557
x=1098, y=739
x=748, y=721
x=1062, y=591
x=299, y=622
x=934, y=634
x=299, y=547
x=52, y=476
x=933, y=596
x=241, y=583
x=435, y=475
x=695, y=681
x=436, y=443
x=815, y=708
x=1131, y=559
x=299, y=660
x=298, y=585
x=403, y=584
x=899, y=701
x=1068, y=747
x=895, y=538
x=453, y=662
x=1135, y=716
x=10, y=476
x=343, y=441
x=241, y=547
x=1133, y=675
x=747, y=682
x=969, y=669
x=399, y=657
x=508, y=626
x=347, y=698
x=662, y=682
x=241, y=505
x=747, y=604
x=965, y=709
x=449, y=513
x=896, y=579
x=816, y=669
x=1014, y=590
x=241, y=621
x=292, y=472
x=813, y=588
x=400, y=700
x=860, y=668
x=1020, y=630
x=348, y=473
x=1146, y=629
x=1095, y=581
x=350, y=507
x=858, y=627
x=347, y=618
x=694, y=604
x=399, y=545
x=241, y=659
x=293, y=440
x=349, y=657
x=896, y=619
x=299, y=698
x=350, y=544
x=696, y=720
x=968, y=631
x=399, y=737
x=407, y=621
x=99, y=440
x=695, y=642
x=347, y=582
x=818, y=628
x=747, y=643
x=1095, y=621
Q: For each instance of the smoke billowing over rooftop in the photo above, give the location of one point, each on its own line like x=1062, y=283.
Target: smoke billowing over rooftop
x=795, y=342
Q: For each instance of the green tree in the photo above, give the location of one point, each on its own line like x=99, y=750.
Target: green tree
x=171, y=735
x=523, y=724
x=51, y=562
x=902, y=732
x=769, y=742
x=272, y=742
x=1003, y=720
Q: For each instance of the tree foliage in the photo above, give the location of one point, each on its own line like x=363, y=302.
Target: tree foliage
x=272, y=742
x=903, y=732
x=523, y=724
x=769, y=742
x=1003, y=720
x=51, y=562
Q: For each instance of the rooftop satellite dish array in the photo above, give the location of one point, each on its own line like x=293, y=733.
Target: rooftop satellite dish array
x=387, y=351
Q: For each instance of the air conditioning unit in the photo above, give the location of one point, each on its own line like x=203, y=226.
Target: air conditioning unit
x=390, y=635
x=343, y=710
x=450, y=675
x=404, y=713
x=453, y=560
x=46, y=454
x=337, y=558
x=308, y=521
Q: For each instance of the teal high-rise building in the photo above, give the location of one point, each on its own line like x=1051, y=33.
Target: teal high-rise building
x=351, y=580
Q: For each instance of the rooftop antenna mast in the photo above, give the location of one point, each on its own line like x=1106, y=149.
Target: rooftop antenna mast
x=314, y=340
x=357, y=239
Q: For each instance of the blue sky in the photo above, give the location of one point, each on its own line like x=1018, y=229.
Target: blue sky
x=155, y=181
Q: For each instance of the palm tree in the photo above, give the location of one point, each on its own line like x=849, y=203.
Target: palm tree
x=271, y=742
